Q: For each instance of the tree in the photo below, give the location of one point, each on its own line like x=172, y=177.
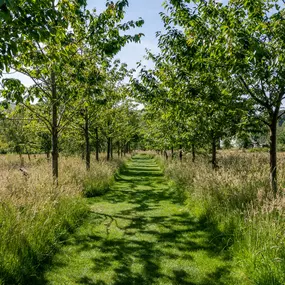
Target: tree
x=242, y=40
x=53, y=63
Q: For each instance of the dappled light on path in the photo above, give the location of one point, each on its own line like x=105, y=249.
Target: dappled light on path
x=140, y=232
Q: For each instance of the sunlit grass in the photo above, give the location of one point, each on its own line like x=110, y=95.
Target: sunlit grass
x=140, y=232
x=35, y=216
x=237, y=200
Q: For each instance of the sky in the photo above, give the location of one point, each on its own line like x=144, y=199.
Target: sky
x=148, y=10
x=132, y=53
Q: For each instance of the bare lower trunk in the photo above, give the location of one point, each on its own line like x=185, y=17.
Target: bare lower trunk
x=54, y=131
x=22, y=162
x=166, y=155
x=193, y=153
x=87, y=141
x=180, y=153
x=172, y=153
x=97, y=144
x=111, y=148
x=273, y=156
x=108, y=148
x=125, y=149
x=119, y=149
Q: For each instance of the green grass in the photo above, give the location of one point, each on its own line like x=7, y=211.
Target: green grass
x=140, y=232
x=236, y=201
x=36, y=217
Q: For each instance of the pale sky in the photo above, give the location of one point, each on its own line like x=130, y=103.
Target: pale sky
x=147, y=10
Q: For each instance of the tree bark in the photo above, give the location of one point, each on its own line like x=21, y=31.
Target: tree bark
x=180, y=153
x=193, y=153
x=108, y=148
x=97, y=143
x=125, y=149
x=87, y=140
x=111, y=148
x=273, y=155
x=166, y=155
x=54, y=130
x=172, y=153
x=22, y=162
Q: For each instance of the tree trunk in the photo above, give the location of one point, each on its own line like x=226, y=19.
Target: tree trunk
x=87, y=140
x=54, y=130
x=273, y=156
x=172, y=153
x=193, y=153
x=48, y=155
x=22, y=162
x=119, y=148
x=97, y=143
x=108, y=148
x=111, y=148
x=29, y=156
x=180, y=153
x=214, y=153
x=166, y=155
x=125, y=149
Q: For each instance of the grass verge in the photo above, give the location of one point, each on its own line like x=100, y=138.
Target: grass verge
x=36, y=217
x=236, y=202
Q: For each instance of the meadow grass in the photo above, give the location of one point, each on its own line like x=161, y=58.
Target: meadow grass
x=140, y=232
x=35, y=216
x=236, y=201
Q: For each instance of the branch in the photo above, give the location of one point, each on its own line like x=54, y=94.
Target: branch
x=281, y=114
x=67, y=120
x=28, y=74
x=264, y=93
x=264, y=104
x=39, y=116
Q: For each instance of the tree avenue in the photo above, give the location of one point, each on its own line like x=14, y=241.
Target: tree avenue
x=224, y=62
x=169, y=159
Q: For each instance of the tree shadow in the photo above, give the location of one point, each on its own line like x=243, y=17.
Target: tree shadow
x=153, y=247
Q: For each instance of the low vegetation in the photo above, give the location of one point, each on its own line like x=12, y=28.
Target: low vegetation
x=237, y=203
x=35, y=216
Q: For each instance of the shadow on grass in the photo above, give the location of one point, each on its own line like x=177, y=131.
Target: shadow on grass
x=153, y=247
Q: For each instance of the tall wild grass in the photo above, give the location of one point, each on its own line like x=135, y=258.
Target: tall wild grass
x=35, y=216
x=237, y=200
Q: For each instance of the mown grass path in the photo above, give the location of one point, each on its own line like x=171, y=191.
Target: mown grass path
x=139, y=233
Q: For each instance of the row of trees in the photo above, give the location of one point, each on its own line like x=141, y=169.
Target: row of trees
x=109, y=130
x=220, y=72
x=68, y=53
